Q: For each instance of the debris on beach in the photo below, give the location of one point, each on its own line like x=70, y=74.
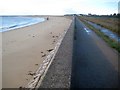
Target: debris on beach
x=35, y=77
x=41, y=52
x=49, y=50
x=31, y=74
x=43, y=55
x=20, y=88
x=36, y=64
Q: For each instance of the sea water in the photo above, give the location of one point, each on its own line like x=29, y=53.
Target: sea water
x=13, y=22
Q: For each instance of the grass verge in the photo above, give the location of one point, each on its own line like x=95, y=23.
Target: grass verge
x=112, y=43
x=110, y=23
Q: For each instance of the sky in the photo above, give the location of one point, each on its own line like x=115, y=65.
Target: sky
x=58, y=7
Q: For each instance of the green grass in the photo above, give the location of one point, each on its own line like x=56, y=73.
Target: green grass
x=114, y=44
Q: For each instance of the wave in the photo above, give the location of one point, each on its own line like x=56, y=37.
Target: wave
x=15, y=22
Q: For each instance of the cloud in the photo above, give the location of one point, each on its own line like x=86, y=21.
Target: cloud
x=56, y=7
x=70, y=11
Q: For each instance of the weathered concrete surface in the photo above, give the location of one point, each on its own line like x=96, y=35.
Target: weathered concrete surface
x=59, y=72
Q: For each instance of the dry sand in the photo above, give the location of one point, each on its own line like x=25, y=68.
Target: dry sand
x=23, y=49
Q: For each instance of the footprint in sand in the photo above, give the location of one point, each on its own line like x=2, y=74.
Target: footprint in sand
x=29, y=71
x=54, y=41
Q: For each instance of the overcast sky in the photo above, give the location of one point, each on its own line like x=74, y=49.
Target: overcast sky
x=57, y=7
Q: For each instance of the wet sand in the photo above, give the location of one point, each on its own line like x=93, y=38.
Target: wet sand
x=24, y=49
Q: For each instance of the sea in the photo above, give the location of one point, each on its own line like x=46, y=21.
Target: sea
x=14, y=22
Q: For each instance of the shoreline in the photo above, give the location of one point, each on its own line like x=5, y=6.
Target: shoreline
x=27, y=47
x=18, y=25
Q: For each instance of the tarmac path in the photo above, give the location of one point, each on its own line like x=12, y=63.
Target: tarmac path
x=94, y=64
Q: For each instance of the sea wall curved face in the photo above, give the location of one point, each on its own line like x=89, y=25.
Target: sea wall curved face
x=14, y=22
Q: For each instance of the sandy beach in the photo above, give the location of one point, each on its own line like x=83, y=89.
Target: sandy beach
x=24, y=49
